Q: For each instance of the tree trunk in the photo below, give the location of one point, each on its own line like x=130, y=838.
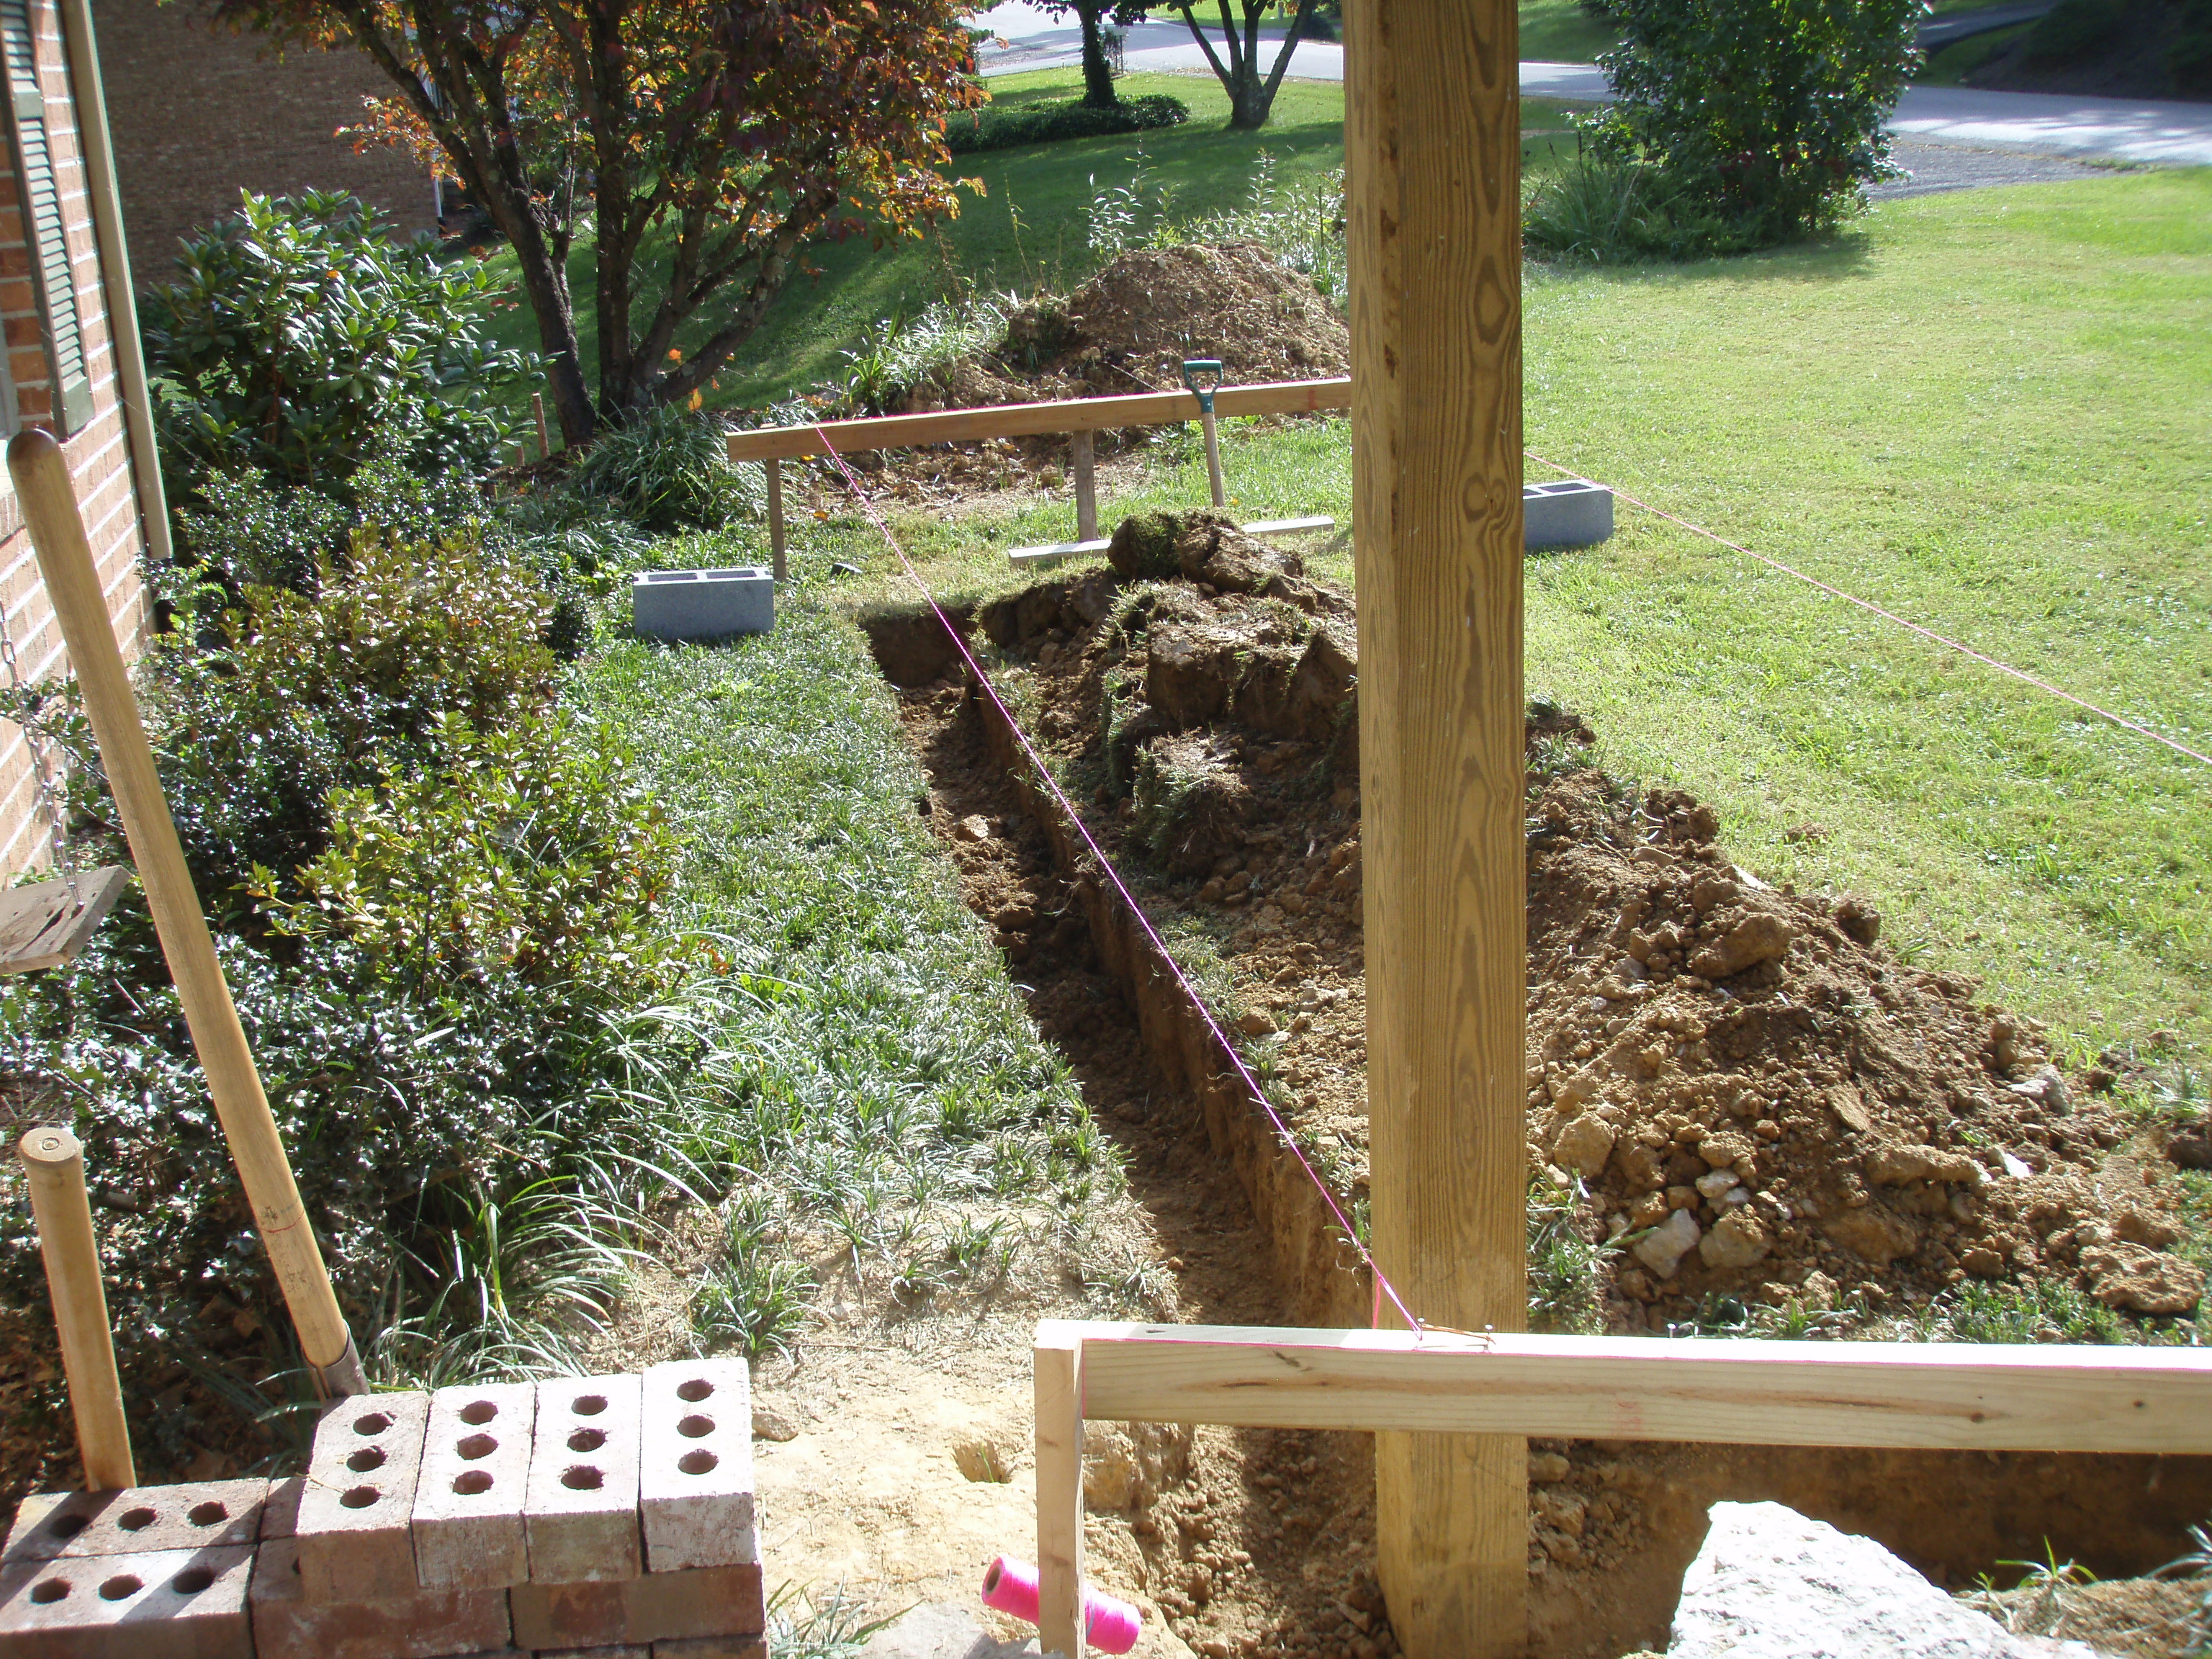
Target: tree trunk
x=1097, y=73
x=1247, y=104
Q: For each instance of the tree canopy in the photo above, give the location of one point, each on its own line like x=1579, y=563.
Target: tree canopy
x=700, y=144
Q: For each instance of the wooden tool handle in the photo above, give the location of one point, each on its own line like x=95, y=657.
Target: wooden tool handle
x=54, y=1164
x=50, y=509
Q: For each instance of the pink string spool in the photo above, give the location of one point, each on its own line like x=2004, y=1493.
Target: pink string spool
x=1110, y=1624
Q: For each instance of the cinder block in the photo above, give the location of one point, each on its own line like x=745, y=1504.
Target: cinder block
x=475, y=1473
x=417, y=1623
x=713, y=1647
x=155, y=1604
x=656, y=1607
x=1567, y=512
x=355, y=1541
x=702, y=604
x=581, y=1509
x=696, y=1470
x=138, y=1520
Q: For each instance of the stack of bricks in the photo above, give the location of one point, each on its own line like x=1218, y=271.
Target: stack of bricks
x=608, y=1516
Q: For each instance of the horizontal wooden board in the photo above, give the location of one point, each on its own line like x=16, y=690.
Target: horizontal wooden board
x=1032, y=420
x=1753, y=1393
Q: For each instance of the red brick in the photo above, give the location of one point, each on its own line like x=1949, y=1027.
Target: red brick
x=414, y=1624
x=163, y=1604
x=713, y=1647
x=355, y=1544
x=476, y=1471
x=695, y=1466
x=659, y=1606
x=138, y=1520
x=581, y=1512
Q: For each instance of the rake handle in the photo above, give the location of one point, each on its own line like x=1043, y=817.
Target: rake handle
x=53, y=1165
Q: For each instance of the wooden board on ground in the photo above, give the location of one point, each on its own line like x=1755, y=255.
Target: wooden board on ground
x=1054, y=552
x=45, y=924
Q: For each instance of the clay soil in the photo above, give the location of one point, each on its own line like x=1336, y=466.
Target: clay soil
x=1747, y=1110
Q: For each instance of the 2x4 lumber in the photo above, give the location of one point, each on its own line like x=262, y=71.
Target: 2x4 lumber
x=49, y=504
x=1433, y=228
x=1059, y=1382
x=1034, y=420
x=53, y=1165
x=1920, y=1395
x=1086, y=486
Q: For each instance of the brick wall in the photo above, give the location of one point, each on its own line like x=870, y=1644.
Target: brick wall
x=97, y=454
x=199, y=114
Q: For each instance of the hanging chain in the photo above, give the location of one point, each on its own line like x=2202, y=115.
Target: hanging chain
x=44, y=776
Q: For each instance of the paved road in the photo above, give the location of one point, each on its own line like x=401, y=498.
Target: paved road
x=2113, y=129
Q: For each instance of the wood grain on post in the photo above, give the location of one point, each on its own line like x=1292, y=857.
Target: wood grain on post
x=1086, y=487
x=1058, y=1378
x=1433, y=149
x=54, y=1164
x=775, y=532
x=50, y=509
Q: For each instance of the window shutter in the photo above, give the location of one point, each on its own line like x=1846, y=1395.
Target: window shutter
x=42, y=221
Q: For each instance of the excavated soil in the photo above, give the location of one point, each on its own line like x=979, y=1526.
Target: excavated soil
x=1743, y=1104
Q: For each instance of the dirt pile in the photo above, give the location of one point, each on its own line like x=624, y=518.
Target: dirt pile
x=1130, y=328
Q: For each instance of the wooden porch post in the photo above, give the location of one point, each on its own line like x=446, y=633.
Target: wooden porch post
x=1432, y=136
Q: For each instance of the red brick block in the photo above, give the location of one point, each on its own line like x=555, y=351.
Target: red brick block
x=355, y=1541
x=713, y=1647
x=162, y=1604
x=656, y=1607
x=696, y=1468
x=468, y=1504
x=417, y=1623
x=582, y=1510
x=138, y=1520
x=280, y=1515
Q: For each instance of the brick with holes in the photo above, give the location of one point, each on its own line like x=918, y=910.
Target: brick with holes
x=418, y=1624
x=695, y=1466
x=580, y=1511
x=657, y=1608
x=154, y=1604
x=468, y=1502
x=136, y=1521
x=353, y=1530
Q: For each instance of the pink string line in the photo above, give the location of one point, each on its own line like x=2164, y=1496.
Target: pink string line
x=1891, y=616
x=1382, y=1284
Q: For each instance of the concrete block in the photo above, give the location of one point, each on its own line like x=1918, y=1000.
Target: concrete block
x=702, y=604
x=695, y=1477
x=581, y=1509
x=656, y=1607
x=155, y=1604
x=140, y=1520
x=1566, y=512
x=475, y=1473
x=713, y=1647
x=417, y=1623
x=354, y=1540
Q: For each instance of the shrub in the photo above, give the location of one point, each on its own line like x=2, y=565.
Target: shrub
x=243, y=530
x=299, y=341
x=1765, y=115
x=1003, y=127
x=671, y=470
x=1599, y=210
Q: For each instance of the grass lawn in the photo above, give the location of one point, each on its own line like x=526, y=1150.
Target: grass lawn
x=1986, y=410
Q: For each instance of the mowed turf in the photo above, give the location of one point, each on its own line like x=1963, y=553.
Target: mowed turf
x=1990, y=412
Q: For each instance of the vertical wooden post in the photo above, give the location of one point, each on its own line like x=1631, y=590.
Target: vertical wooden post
x=1432, y=140
x=1058, y=1379
x=65, y=562
x=1213, y=458
x=775, y=538
x=1086, y=489
x=544, y=438
x=54, y=1166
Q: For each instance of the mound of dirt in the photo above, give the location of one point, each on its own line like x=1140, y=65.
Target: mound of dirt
x=1744, y=1097
x=1130, y=328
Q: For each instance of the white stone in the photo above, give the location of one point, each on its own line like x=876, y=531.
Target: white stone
x=1770, y=1584
x=1665, y=1245
x=1714, y=1182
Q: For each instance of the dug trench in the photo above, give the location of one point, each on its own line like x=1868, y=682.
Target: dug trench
x=1745, y=1111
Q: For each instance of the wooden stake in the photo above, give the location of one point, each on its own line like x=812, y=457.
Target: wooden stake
x=49, y=504
x=54, y=1166
x=1213, y=457
x=545, y=438
x=1086, y=489
x=1058, y=1379
x=1433, y=152
x=775, y=535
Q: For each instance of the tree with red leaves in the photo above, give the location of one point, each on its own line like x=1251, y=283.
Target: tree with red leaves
x=700, y=144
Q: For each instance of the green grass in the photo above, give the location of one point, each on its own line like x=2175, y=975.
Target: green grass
x=1561, y=32
x=1952, y=66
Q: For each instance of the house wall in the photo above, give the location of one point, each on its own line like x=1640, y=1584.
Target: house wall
x=99, y=456
x=200, y=114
